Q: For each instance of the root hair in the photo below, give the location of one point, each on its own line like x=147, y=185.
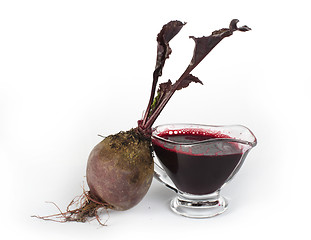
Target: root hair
x=81, y=209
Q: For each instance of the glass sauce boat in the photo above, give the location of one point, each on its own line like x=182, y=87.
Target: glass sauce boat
x=196, y=161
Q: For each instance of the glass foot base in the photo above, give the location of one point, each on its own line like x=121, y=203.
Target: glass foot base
x=198, y=208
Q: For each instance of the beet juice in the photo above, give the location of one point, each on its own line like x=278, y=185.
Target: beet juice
x=194, y=166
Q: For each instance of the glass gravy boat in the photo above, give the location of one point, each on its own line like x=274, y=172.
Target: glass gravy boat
x=196, y=161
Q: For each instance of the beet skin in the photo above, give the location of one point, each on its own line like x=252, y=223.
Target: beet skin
x=120, y=169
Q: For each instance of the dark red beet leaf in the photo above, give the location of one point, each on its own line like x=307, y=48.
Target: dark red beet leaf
x=184, y=82
x=203, y=46
x=167, y=33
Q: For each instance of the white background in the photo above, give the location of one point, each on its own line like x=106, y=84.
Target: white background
x=70, y=70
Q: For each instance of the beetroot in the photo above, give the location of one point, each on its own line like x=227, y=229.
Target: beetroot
x=120, y=167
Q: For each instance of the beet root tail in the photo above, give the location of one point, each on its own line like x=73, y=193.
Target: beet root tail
x=81, y=209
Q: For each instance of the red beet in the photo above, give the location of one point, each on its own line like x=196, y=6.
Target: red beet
x=120, y=169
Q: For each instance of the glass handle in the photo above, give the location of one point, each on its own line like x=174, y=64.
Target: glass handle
x=162, y=177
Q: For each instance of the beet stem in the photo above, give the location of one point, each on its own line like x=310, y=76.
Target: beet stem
x=153, y=90
x=163, y=103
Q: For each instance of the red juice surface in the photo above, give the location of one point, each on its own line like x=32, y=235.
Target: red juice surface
x=200, y=168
